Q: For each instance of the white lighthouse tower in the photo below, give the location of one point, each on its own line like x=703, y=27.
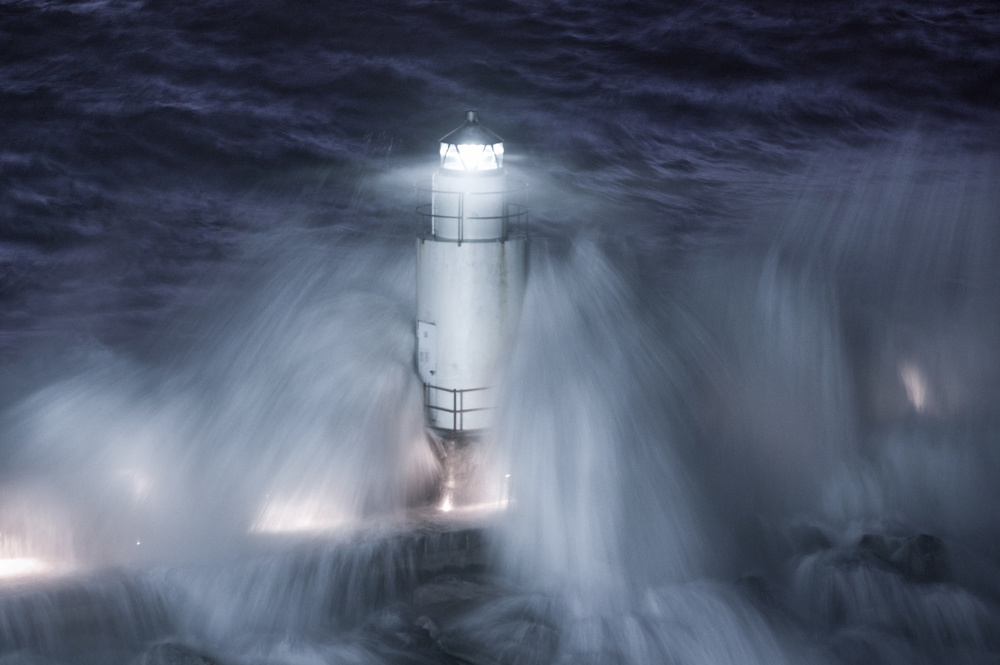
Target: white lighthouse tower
x=471, y=273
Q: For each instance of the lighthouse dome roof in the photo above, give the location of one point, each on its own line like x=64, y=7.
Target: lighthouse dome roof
x=471, y=132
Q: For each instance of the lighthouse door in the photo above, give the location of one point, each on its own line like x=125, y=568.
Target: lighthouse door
x=427, y=352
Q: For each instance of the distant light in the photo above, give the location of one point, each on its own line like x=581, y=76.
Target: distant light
x=138, y=482
x=915, y=384
x=309, y=514
x=22, y=567
x=33, y=541
x=17, y=568
x=483, y=508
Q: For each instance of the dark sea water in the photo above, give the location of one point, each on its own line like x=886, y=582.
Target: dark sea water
x=752, y=413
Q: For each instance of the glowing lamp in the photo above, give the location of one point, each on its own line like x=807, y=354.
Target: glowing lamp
x=471, y=147
x=471, y=272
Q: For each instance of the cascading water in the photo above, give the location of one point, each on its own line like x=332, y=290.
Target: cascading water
x=790, y=415
x=749, y=415
x=303, y=417
x=295, y=396
x=689, y=460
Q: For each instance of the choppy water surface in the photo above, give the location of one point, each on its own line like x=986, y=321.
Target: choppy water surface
x=750, y=415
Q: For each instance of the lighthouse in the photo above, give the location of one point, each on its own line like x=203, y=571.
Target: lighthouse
x=471, y=272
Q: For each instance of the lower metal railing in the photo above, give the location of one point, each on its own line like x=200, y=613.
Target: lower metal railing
x=457, y=407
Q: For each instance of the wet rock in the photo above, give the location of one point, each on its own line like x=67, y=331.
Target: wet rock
x=477, y=623
x=426, y=623
x=463, y=550
x=878, y=545
x=448, y=598
x=172, y=654
x=21, y=658
x=922, y=558
x=524, y=641
x=756, y=589
x=400, y=635
x=807, y=539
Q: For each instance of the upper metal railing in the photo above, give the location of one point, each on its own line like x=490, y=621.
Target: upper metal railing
x=513, y=219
